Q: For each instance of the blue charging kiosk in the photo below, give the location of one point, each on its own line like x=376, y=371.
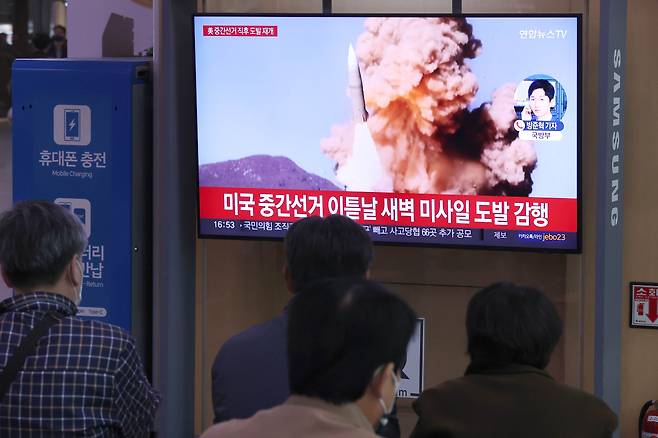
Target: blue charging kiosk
x=82, y=138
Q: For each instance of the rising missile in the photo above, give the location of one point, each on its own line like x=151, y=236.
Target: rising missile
x=355, y=86
x=363, y=170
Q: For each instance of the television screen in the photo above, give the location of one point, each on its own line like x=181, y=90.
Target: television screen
x=430, y=130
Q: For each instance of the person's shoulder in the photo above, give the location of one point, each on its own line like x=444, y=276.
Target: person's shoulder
x=586, y=402
x=575, y=405
x=223, y=429
x=444, y=393
x=226, y=429
x=255, y=426
x=275, y=327
x=266, y=341
x=451, y=386
x=287, y=420
x=95, y=326
x=102, y=333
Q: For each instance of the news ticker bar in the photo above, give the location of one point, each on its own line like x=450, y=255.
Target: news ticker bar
x=500, y=213
x=404, y=234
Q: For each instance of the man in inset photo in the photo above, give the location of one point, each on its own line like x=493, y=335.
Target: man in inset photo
x=541, y=95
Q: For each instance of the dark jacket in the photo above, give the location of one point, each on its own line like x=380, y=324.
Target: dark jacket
x=250, y=371
x=509, y=402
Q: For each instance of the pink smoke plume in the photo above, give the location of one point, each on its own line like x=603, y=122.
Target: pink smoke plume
x=418, y=89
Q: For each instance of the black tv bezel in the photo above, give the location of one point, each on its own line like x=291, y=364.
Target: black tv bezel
x=579, y=133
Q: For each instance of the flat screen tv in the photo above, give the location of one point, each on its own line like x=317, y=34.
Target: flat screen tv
x=446, y=130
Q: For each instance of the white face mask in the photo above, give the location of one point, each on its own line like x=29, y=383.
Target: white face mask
x=78, y=292
x=387, y=410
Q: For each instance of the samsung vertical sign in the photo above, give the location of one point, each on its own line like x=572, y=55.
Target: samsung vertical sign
x=609, y=224
x=616, y=137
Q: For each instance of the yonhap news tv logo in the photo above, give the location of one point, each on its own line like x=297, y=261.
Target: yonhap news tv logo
x=72, y=125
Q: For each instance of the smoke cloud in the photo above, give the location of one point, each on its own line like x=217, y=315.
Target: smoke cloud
x=418, y=89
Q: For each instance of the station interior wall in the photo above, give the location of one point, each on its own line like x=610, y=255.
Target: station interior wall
x=240, y=283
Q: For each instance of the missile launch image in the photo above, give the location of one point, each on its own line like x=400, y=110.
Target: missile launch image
x=356, y=87
x=363, y=170
x=426, y=139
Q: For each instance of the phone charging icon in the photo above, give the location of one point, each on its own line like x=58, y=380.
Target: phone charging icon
x=72, y=125
x=81, y=214
x=81, y=208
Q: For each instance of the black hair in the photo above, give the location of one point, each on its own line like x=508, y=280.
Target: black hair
x=340, y=330
x=40, y=41
x=548, y=88
x=334, y=246
x=38, y=239
x=506, y=323
x=59, y=26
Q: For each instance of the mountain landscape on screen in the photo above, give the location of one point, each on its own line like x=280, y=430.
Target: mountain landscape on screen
x=261, y=171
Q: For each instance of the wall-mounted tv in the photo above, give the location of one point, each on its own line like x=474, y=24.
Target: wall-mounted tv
x=447, y=130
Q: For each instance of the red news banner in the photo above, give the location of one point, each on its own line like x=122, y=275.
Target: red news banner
x=486, y=212
x=224, y=30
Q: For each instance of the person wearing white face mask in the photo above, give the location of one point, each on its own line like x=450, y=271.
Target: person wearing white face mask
x=81, y=266
x=387, y=409
x=83, y=377
x=347, y=341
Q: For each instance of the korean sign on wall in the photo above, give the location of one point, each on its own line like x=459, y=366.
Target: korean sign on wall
x=644, y=305
x=73, y=145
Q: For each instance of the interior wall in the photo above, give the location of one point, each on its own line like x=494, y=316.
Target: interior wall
x=262, y=6
x=521, y=6
x=639, y=352
x=109, y=28
x=392, y=6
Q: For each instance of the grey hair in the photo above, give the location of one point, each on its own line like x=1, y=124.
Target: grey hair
x=38, y=239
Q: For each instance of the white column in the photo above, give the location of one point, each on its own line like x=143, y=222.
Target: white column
x=89, y=20
x=58, y=13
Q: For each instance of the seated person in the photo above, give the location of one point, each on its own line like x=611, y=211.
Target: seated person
x=77, y=377
x=347, y=339
x=541, y=95
x=315, y=248
x=505, y=392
